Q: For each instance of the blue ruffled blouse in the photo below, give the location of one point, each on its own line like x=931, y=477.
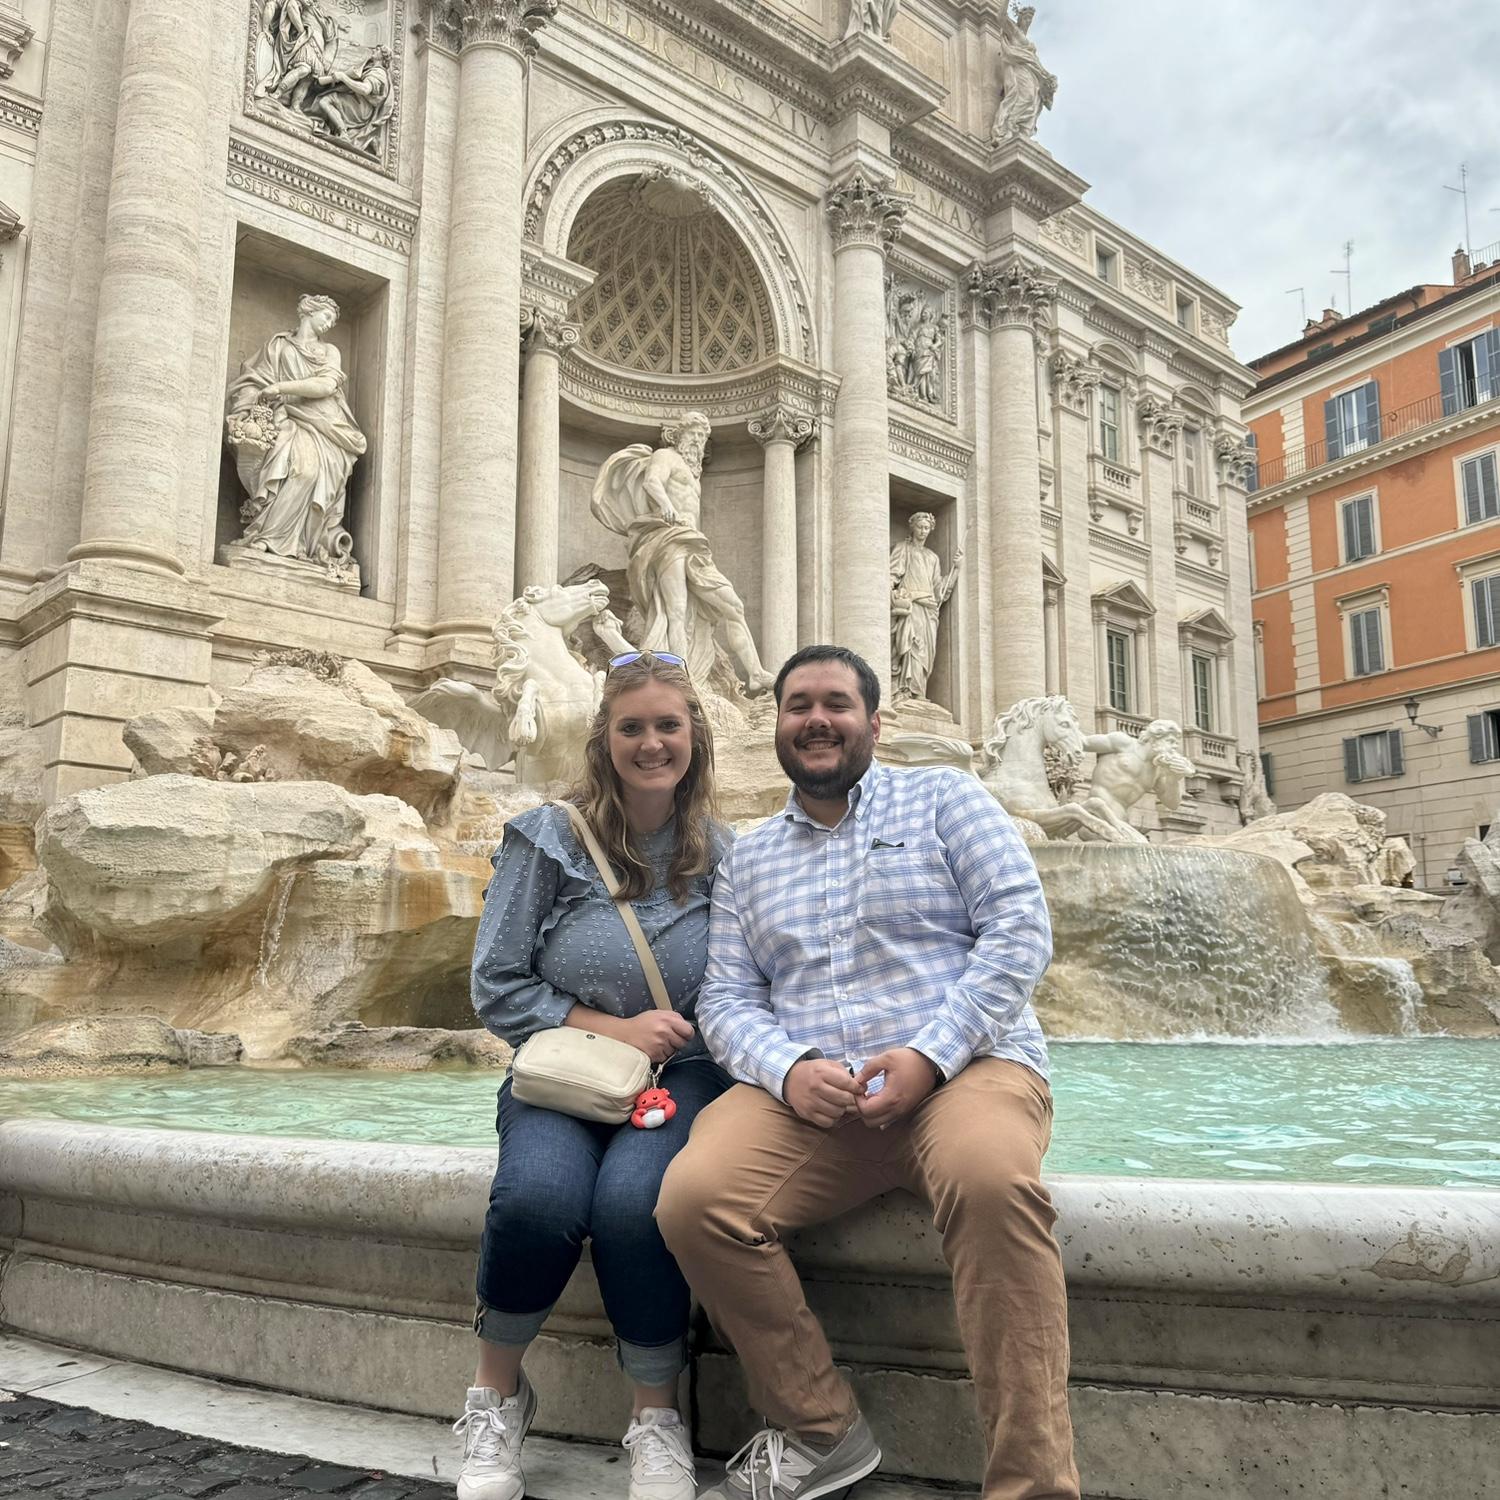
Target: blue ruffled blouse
x=550, y=936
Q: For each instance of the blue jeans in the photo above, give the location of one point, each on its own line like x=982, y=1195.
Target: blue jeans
x=561, y=1181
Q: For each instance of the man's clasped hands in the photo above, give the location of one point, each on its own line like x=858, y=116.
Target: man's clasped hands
x=825, y=1093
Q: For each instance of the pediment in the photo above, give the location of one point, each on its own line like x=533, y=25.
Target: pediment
x=1051, y=573
x=1126, y=597
x=1208, y=622
x=10, y=222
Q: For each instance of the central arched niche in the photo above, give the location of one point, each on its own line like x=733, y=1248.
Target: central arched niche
x=676, y=292
x=677, y=295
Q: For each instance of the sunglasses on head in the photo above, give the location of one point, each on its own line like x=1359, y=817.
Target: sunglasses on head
x=625, y=659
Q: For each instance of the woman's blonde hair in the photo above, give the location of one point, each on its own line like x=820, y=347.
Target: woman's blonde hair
x=601, y=799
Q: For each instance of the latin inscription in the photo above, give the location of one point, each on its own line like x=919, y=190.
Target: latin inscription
x=698, y=65
x=312, y=208
x=938, y=206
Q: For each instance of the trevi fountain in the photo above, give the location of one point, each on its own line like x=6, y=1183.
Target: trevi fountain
x=350, y=437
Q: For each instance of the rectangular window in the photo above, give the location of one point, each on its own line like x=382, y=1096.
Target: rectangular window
x=1485, y=595
x=1469, y=373
x=1105, y=263
x=1358, y=518
x=1186, y=308
x=1188, y=438
x=1481, y=491
x=1109, y=423
x=1203, y=691
x=1252, y=467
x=1267, y=774
x=1351, y=421
x=1117, y=645
x=1484, y=737
x=1367, y=648
x=1367, y=756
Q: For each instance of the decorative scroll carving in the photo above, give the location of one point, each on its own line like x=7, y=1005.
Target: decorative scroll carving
x=1160, y=423
x=1065, y=230
x=1236, y=459
x=781, y=425
x=1026, y=87
x=541, y=329
x=862, y=211
x=14, y=35
x=1142, y=276
x=1072, y=381
x=306, y=76
x=916, y=343
x=1014, y=293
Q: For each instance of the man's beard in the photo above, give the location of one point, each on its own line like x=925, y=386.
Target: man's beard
x=829, y=785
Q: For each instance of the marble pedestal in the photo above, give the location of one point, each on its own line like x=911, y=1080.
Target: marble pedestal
x=255, y=560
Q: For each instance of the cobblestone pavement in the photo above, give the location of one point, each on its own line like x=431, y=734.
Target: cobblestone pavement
x=57, y=1452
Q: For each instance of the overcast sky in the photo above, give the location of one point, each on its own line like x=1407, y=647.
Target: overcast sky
x=1248, y=139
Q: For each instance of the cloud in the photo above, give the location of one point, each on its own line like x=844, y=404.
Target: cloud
x=1248, y=139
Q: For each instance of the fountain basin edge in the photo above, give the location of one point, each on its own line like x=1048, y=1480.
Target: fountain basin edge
x=1260, y=1339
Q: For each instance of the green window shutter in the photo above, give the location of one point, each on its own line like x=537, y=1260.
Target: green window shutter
x=1331, y=428
x=1351, y=759
x=1478, y=749
x=1367, y=407
x=1448, y=380
x=1486, y=595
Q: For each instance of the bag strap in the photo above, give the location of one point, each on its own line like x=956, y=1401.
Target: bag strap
x=586, y=837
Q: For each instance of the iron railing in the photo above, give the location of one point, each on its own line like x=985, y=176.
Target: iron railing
x=1387, y=427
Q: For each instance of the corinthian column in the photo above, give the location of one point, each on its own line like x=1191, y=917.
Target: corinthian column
x=865, y=217
x=538, y=513
x=780, y=432
x=482, y=320
x=143, y=345
x=1016, y=298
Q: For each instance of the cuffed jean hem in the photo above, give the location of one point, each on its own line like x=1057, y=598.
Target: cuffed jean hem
x=645, y=1364
x=508, y=1328
x=652, y=1364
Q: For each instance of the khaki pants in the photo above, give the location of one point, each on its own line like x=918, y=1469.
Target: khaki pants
x=753, y=1170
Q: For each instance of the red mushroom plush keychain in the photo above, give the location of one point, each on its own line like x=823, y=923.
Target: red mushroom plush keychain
x=653, y=1108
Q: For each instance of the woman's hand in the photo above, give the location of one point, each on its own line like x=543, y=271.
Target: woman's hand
x=658, y=1033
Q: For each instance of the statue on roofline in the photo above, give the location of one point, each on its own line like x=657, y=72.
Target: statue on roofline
x=1026, y=87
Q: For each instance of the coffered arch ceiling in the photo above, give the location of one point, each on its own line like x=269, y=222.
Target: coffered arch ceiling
x=677, y=293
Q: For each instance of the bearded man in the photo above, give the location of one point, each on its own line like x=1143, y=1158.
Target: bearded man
x=872, y=954
x=1127, y=768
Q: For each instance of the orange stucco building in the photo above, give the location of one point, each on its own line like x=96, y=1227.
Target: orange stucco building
x=1375, y=547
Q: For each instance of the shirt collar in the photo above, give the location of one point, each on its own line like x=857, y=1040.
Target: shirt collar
x=859, y=801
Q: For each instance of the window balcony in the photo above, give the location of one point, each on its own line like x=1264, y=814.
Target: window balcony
x=1215, y=752
x=1113, y=478
x=1402, y=422
x=1112, y=721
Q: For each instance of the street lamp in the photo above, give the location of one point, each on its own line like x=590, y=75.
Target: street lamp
x=1412, y=708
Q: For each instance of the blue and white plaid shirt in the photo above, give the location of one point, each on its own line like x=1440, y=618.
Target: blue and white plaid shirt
x=918, y=921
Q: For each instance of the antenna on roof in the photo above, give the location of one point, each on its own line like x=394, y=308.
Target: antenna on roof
x=1299, y=292
x=1348, y=274
x=1463, y=192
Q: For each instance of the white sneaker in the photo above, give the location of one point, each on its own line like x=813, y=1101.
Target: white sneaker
x=661, y=1457
x=492, y=1430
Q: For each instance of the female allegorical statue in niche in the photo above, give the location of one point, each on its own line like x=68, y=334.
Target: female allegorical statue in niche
x=919, y=589
x=295, y=441
x=1026, y=87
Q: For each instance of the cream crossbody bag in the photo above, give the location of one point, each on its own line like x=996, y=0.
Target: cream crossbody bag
x=580, y=1072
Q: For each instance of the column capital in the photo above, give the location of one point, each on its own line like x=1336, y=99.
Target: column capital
x=512, y=24
x=544, y=332
x=1236, y=458
x=1072, y=380
x=1160, y=423
x=1012, y=294
x=781, y=424
x=865, y=211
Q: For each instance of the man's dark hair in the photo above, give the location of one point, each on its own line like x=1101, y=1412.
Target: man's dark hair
x=869, y=683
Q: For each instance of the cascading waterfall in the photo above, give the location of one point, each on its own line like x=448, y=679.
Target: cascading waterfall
x=1171, y=940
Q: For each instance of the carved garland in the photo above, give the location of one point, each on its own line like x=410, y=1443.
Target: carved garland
x=672, y=138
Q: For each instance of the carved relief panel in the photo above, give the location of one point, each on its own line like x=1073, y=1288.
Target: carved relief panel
x=920, y=321
x=329, y=71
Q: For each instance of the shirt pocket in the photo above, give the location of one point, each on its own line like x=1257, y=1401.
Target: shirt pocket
x=910, y=887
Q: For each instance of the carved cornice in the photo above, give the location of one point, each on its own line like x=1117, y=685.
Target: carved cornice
x=743, y=395
x=1121, y=546
x=511, y=24
x=20, y=115
x=263, y=174
x=1015, y=293
x=863, y=211
x=918, y=445
x=544, y=332
x=1072, y=381
x=781, y=425
x=14, y=35
x=10, y=223
x=1021, y=174
x=551, y=283
x=1160, y=423
x=868, y=77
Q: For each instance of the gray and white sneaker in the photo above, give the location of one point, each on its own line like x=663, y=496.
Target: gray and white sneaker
x=661, y=1457
x=775, y=1465
x=493, y=1429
